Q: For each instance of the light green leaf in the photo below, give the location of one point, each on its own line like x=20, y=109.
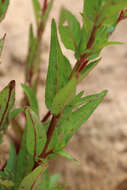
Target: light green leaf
x=69, y=28
x=15, y=112
x=54, y=180
x=36, y=135
x=32, y=180
x=68, y=156
x=7, y=99
x=114, y=8
x=47, y=11
x=6, y=183
x=31, y=98
x=37, y=10
x=64, y=96
x=88, y=69
x=113, y=43
x=58, y=71
x=76, y=119
x=3, y=8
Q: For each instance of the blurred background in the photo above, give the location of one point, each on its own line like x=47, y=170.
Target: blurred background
x=101, y=144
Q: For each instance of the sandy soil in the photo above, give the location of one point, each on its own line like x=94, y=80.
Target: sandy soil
x=101, y=144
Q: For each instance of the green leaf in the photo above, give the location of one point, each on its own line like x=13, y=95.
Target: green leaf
x=54, y=180
x=11, y=163
x=68, y=156
x=32, y=47
x=36, y=135
x=69, y=28
x=32, y=181
x=58, y=71
x=31, y=98
x=92, y=8
x=113, y=43
x=7, y=99
x=3, y=8
x=25, y=162
x=47, y=11
x=15, y=112
x=37, y=10
x=6, y=183
x=88, y=69
x=114, y=8
x=76, y=119
x=2, y=43
x=64, y=96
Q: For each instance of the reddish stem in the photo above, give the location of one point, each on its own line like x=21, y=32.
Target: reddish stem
x=49, y=134
x=44, y=6
x=46, y=117
x=83, y=66
x=121, y=16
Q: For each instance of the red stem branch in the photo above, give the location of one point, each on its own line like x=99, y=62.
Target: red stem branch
x=44, y=6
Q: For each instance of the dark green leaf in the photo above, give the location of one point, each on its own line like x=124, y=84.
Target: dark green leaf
x=31, y=98
x=11, y=163
x=7, y=98
x=58, y=71
x=32, y=180
x=69, y=29
x=36, y=135
x=24, y=162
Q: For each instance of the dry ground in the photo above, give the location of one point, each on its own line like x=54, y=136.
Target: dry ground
x=101, y=144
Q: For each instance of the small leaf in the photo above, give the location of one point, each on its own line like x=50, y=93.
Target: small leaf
x=32, y=180
x=88, y=68
x=47, y=11
x=6, y=183
x=114, y=43
x=31, y=98
x=64, y=96
x=92, y=8
x=3, y=8
x=113, y=8
x=7, y=98
x=69, y=29
x=54, y=180
x=76, y=119
x=2, y=43
x=36, y=135
x=15, y=112
x=37, y=10
x=68, y=156
x=58, y=71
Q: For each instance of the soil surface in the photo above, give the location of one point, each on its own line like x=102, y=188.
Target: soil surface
x=101, y=144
